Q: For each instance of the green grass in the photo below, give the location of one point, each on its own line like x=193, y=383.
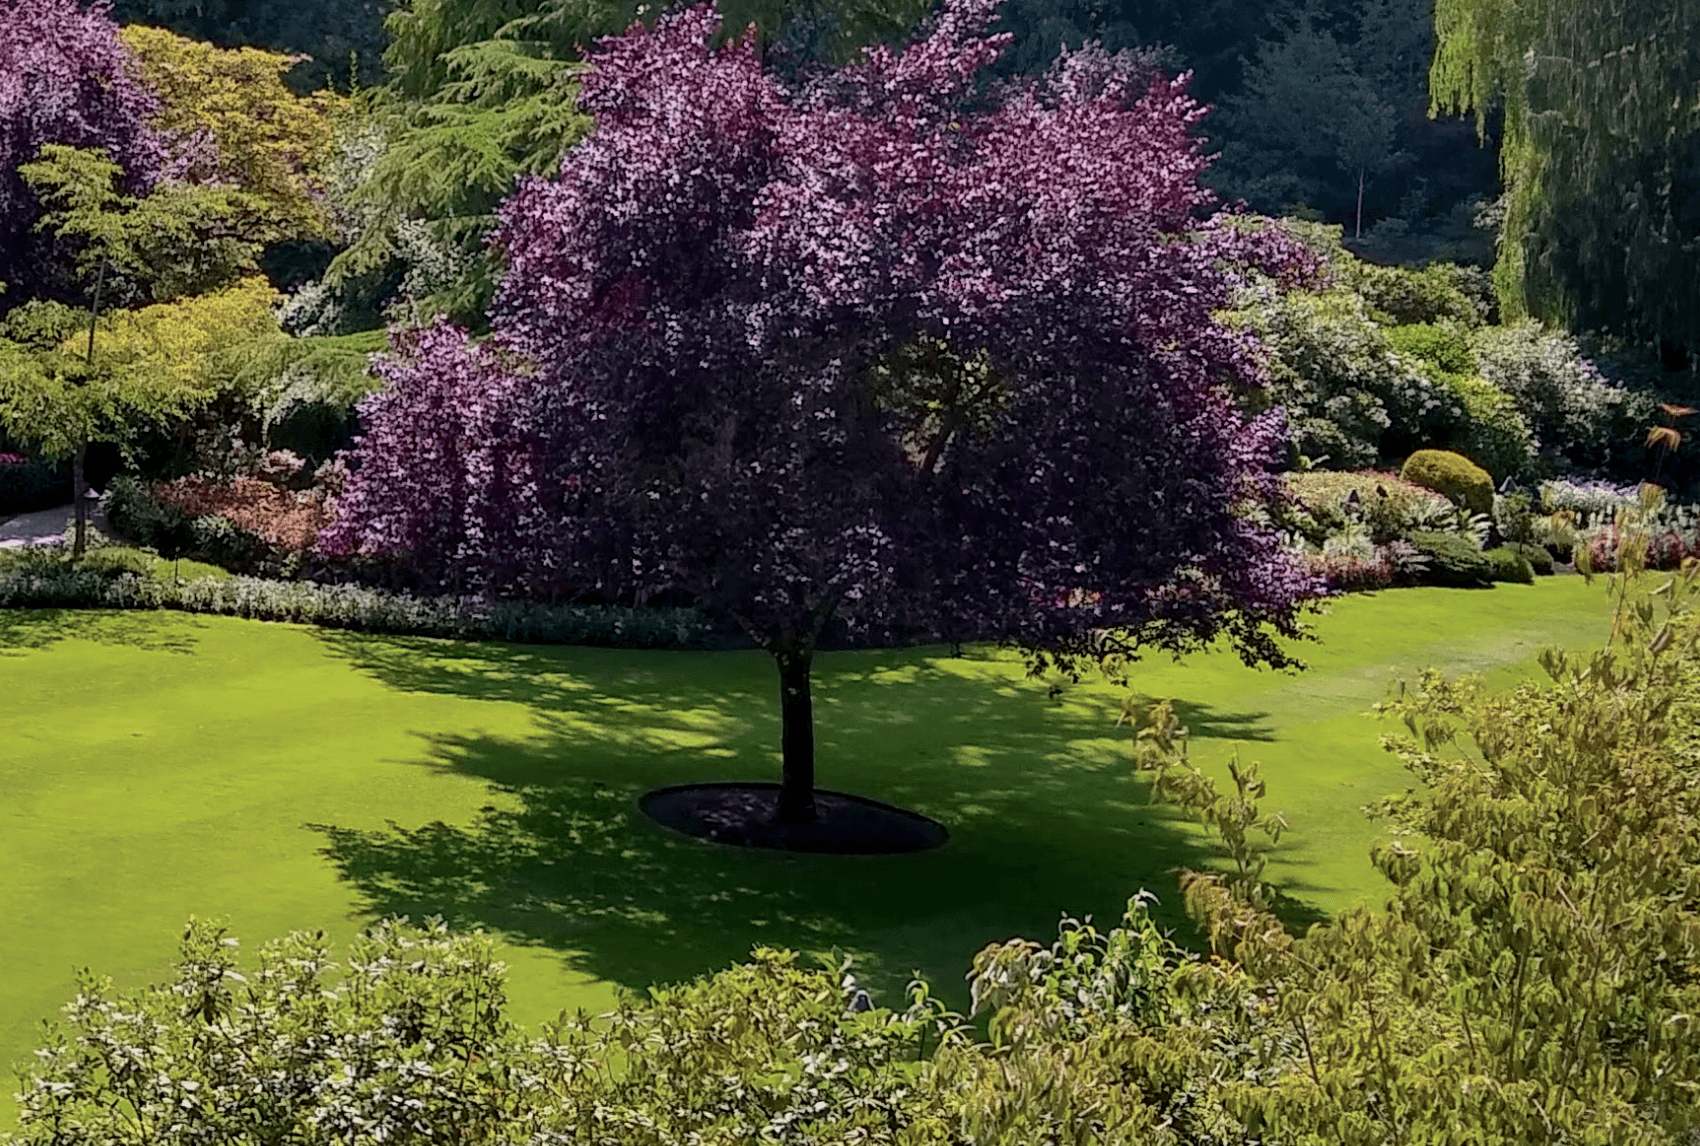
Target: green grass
x=162, y=765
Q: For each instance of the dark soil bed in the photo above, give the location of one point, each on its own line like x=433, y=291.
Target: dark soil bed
x=741, y=814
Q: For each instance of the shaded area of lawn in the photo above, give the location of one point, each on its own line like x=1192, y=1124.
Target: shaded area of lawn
x=564, y=859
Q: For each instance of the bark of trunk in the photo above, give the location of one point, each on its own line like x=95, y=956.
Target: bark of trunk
x=79, y=501
x=1673, y=356
x=1358, y=232
x=797, y=740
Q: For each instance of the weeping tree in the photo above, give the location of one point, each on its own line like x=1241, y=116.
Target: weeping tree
x=1602, y=142
x=876, y=346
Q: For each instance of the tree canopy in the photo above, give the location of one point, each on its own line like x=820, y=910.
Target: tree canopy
x=65, y=78
x=1602, y=134
x=678, y=392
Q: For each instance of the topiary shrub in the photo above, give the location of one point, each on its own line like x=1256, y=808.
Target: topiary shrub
x=1453, y=475
x=1453, y=560
x=1538, y=558
x=1509, y=564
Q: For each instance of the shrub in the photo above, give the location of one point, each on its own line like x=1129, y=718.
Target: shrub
x=1453, y=475
x=1510, y=564
x=1351, y=572
x=1444, y=347
x=1493, y=432
x=1350, y=398
x=1453, y=560
x=1539, y=559
x=285, y=519
x=1579, y=418
x=1400, y=296
x=27, y=485
x=1388, y=507
x=46, y=579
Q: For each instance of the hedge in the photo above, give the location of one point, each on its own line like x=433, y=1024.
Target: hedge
x=47, y=581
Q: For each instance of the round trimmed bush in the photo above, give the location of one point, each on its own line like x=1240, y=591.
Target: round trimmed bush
x=1453, y=475
x=1509, y=564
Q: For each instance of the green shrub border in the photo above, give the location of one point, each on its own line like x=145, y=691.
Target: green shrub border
x=53, y=584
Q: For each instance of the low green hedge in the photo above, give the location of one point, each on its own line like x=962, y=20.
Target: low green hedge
x=1454, y=559
x=43, y=581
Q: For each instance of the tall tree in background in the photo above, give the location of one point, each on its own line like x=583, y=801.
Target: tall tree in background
x=1601, y=157
x=680, y=390
x=1305, y=116
x=334, y=43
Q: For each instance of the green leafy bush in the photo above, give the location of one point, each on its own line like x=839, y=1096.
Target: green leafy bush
x=1445, y=347
x=1454, y=560
x=1452, y=475
x=1511, y=564
x=1398, y=296
x=1580, y=419
x=1493, y=433
x=1351, y=399
x=1538, y=557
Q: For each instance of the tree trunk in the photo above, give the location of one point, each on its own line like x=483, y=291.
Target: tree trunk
x=1673, y=356
x=1359, y=232
x=79, y=501
x=797, y=740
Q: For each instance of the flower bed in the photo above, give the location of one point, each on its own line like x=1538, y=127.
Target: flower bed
x=287, y=519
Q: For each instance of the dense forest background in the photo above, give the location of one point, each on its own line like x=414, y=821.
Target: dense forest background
x=1321, y=105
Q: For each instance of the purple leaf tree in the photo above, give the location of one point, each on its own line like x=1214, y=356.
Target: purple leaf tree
x=884, y=345
x=64, y=78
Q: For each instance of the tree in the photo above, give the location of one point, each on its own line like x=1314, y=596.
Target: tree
x=60, y=391
x=678, y=392
x=179, y=239
x=65, y=78
x=1304, y=115
x=483, y=92
x=265, y=139
x=331, y=42
x=1602, y=223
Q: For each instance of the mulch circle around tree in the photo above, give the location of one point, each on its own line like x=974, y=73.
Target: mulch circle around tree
x=741, y=814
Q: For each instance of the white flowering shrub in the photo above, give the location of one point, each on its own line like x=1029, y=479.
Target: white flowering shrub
x=1579, y=417
x=1350, y=397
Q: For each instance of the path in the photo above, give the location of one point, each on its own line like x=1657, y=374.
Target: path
x=43, y=527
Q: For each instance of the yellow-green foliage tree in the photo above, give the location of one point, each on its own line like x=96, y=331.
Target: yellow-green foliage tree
x=63, y=389
x=268, y=141
x=178, y=240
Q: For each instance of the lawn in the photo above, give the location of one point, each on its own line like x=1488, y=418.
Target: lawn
x=162, y=765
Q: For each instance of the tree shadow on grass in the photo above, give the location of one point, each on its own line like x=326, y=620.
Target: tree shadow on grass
x=24, y=631
x=1044, y=812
